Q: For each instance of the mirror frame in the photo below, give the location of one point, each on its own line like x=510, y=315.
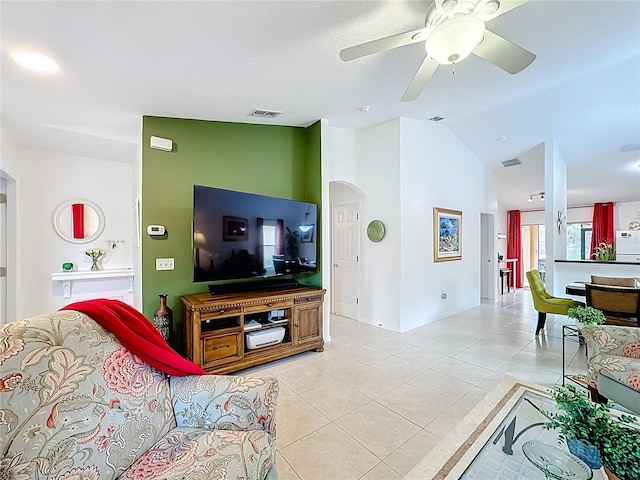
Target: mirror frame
x=57, y=215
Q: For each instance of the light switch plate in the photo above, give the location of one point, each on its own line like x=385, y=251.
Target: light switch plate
x=164, y=264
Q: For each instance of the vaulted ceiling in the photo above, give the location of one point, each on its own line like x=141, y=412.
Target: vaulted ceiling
x=219, y=60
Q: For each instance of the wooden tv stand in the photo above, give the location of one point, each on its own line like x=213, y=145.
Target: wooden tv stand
x=215, y=326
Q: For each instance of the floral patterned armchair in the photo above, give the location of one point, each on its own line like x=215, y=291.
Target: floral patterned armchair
x=614, y=363
x=75, y=403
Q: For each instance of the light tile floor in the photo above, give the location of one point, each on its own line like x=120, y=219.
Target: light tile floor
x=375, y=402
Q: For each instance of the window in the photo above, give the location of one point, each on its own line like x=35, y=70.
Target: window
x=542, y=250
x=269, y=236
x=533, y=249
x=578, y=241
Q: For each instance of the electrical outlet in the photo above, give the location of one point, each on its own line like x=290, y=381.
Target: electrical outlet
x=164, y=264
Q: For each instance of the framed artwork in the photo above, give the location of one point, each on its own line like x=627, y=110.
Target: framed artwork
x=234, y=229
x=307, y=237
x=447, y=235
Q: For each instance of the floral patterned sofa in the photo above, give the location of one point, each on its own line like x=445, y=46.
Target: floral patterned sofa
x=76, y=404
x=614, y=363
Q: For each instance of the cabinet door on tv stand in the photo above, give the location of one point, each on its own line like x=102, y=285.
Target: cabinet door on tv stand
x=308, y=323
x=221, y=349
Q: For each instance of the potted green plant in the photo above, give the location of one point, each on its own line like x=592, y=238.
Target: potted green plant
x=583, y=423
x=604, y=251
x=586, y=316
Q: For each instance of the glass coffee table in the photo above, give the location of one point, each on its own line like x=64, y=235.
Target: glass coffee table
x=503, y=438
x=556, y=463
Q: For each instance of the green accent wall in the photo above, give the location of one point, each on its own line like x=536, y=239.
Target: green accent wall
x=263, y=159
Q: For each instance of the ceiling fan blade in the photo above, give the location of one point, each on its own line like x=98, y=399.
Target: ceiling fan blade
x=383, y=44
x=420, y=79
x=503, y=54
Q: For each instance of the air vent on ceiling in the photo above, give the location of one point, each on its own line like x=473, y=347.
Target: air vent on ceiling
x=436, y=119
x=511, y=163
x=265, y=113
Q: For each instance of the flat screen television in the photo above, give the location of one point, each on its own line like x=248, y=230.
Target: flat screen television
x=238, y=235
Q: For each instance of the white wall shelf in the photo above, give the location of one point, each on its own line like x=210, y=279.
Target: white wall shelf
x=68, y=277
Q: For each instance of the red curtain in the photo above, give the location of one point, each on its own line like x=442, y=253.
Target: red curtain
x=514, y=244
x=77, y=210
x=602, y=225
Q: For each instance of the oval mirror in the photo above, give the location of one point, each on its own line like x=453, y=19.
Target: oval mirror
x=79, y=221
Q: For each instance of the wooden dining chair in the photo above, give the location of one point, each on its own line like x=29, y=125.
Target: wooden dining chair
x=621, y=305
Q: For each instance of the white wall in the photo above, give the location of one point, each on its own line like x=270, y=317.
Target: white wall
x=9, y=169
x=47, y=179
x=377, y=171
x=555, y=199
x=398, y=165
x=369, y=160
x=8, y=160
x=136, y=234
x=503, y=228
x=438, y=170
x=625, y=213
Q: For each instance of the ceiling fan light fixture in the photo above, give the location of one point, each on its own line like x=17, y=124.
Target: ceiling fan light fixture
x=454, y=39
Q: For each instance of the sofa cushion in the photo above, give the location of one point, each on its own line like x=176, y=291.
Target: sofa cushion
x=623, y=370
x=74, y=402
x=225, y=402
x=199, y=454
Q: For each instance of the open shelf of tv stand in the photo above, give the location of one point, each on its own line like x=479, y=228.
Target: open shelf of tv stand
x=215, y=326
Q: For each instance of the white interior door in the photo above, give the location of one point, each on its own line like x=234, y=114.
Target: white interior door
x=488, y=270
x=345, y=253
x=3, y=251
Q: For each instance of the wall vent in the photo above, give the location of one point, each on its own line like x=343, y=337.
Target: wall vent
x=265, y=113
x=511, y=163
x=436, y=119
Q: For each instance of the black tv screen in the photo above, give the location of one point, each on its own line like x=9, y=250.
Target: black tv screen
x=238, y=235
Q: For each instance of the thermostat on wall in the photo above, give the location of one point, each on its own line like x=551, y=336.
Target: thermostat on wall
x=160, y=143
x=155, y=230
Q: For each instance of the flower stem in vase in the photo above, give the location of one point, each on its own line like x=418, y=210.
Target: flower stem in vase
x=94, y=254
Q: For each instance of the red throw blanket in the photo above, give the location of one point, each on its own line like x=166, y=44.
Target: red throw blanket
x=137, y=334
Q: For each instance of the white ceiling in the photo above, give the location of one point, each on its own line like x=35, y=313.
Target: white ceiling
x=219, y=60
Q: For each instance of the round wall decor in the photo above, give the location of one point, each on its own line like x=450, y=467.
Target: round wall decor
x=375, y=230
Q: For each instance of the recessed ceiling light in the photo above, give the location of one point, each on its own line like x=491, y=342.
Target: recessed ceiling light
x=36, y=62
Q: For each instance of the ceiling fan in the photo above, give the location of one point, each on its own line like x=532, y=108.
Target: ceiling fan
x=453, y=30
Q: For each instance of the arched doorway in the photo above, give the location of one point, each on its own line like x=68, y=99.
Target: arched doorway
x=345, y=199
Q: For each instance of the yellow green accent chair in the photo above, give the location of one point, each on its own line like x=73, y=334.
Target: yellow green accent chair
x=544, y=302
